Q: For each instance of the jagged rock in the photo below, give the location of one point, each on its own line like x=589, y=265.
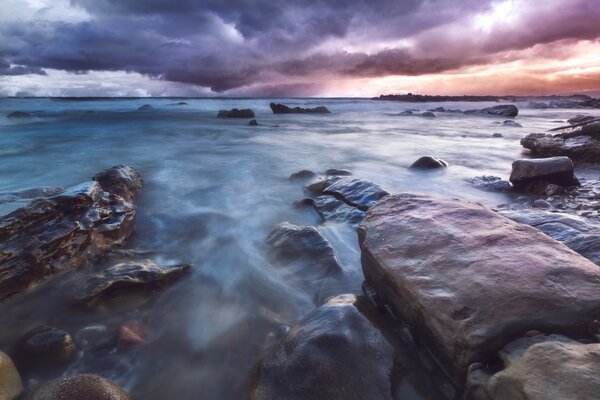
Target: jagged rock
x=429, y=162
x=334, y=353
x=506, y=110
x=10, y=380
x=544, y=367
x=126, y=278
x=78, y=387
x=19, y=114
x=145, y=107
x=359, y=193
x=490, y=183
x=236, y=113
x=43, y=346
x=468, y=280
x=529, y=173
x=253, y=123
x=512, y=124
x=283, y=109
x=338, y=172
x=332, y=209
x=66, y=230
x=302, y=175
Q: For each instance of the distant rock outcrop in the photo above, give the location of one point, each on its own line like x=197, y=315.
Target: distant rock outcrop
x=506, y=110
x=283, y=109
x=236, y=113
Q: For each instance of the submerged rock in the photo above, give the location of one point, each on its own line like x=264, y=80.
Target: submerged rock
x=10, y=380
x=32, y=193
x=131, y=335
x=145, y=107
x=283, y=109
x=358, y=193
x=334, y=353
x=253, y=123
x=19, y=114
x=490, y=183
x=302, y=175
x=512, y=124
x=553, y=170
x=579, y=118
x=236, y=113
x=429, y=162
x=66, y=230
x=338, y=172
x=468, y=280
x=332, y=209
x=497, y=135
x=428, y=114
x=127, y=278
x=506, y=110
x=78, y=387
x=43, y=346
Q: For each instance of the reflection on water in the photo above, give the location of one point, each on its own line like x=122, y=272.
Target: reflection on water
x=213, y=190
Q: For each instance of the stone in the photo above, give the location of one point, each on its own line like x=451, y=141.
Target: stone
x=545, y=367
x=579, y=118
x=236, y=113
x=512, y=124
x=145, y=107
x=19, y=114
x=10, y=380
x=126, y=278
x=538, y=105
x=358, y=193
x=43, y=346
x=131, y=335
x=67, y=230
x=78, y=387
x=429, y=162
x=553, y=170
x=540, y=203
x=497, y=135
x=428, y=114
x=332, y=209
x=334, y=353
x=490, y=183
x=181, y=103
x=33, y=193
x=507, y=110
x=253, y=123
x=468, y=280
x=406, y=112
x=302, y=175
x=283, y=109
x=338, y=172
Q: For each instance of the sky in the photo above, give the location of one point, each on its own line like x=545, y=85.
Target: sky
x=297, y=48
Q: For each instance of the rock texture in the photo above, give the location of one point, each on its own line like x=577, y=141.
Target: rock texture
x=429, y=162
x=78, y=387
x=236, y=113
x=469, y=280
x=283, y=109
x=43, y=346
x=507, y=110
x=553, y=170
x=358, y=193
x=67, y=230
x=10, y=380
x=335, y=353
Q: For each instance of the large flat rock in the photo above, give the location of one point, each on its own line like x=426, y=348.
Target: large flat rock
x=469, y=280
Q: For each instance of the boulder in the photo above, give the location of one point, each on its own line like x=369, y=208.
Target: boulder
x=468, y=280
x=332, y=209
x=497, y=135
x=66, y=230
x=338, y=172
x=545, y=367
x=236, y=113
x=538, y=105
x=10, y=380
x=19, y=114
x=145, y=107
x=253, y=123
x=512, y=124
x=428, y=114
x=580, y=118
x=43, y=346
x=334, y=353
x=127, y=278
x=490, y=183
x=78, y=387
x=358, y=193
x=553, y=170
x=283, y=109
x=506, y=110
x=429, y=162
x=406, y=112
x=302, y=175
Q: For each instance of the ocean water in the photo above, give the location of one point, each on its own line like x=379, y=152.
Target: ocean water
x=214, y=188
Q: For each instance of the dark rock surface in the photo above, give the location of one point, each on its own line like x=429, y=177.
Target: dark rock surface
x=236, y=113
x=18, y=114
x=553, y=170
x=79, y=387
x=66, y=230
x=506, y=110
x=580, y=118
x=43, y=346
x=358, y=193
x=428, y=114
x=512, y=124
x=283, y=109
x=302, y=175
x=32, y=193
x=429, y=162
x=338, y=172
x=253, y=123
x=332, y=209
x=490, y=183
x=468, y=280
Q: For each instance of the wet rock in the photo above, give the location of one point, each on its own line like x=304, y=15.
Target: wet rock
x=428, y=114
x=43, y=346
x=490, y=183
x=406, y=112
x=338, y=172
x=253, y=123
x=332, y=209
x=553, y=170
x=506, y=110
x=537, y=105
x=127, y=278
x=302, y=175
x=317, y=188
x=429, y=162
x=10, y=380
x=19, y=114
x=131, y=335
x=438, y=109
x=32, y=193
x=468, y=280
x=358, y=193
x=497, y=135
x=66, y=230
x=334, y=353
x=539, y=203
x=545, y=367
x=181, y=103
x=236, y=113
x=283, y=109
x=145, y=107
x=512, y=124
x=579, y=118
x=78, y=387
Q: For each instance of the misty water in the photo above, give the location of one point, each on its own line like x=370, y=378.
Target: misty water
x=213, y=190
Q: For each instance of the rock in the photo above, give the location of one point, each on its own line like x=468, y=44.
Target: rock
x=553, y=170
x=10, y=380
x=406, y=112
x=580, y=118
x=537, y=105
x=302, y=175
x=181, y=103
x=43, y=346
x=283, y=109
x=338, y=172
x=332, y=209
x=429, y=162
x=438, y=109
x=428, y=114
x=490, y=183
x=358, y=193
x=145, y=107
x=78, y=387
x=506, y=110
x=19, y=114
x=253, y=123
x=497, y=135
x=45, y=191
x=512, y=124
x=67, y=230
x=236, y=113
x=317, y=188
x=539, y=203
x=127, y=278
x=334, y=353
x=545, y=367
x=468, y=280
x=131, y=335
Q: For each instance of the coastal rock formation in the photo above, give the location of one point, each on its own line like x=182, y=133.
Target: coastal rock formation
x=236, y=113
x=68, y=229
x=527, y=173
x=468, y=280
x=283, y=109
x=32, y=193
x=18, y=114
x=334, y=353
x=10, y=380
x=128, y=277
x=43, y=346
x=506, y=110
x=540, y=368
x=84, y=386
x=332, y=209
x=579, y=141
x=429, y=162
x=358, y=193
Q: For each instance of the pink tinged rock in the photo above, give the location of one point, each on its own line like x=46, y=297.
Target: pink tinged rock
x=130, y=335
